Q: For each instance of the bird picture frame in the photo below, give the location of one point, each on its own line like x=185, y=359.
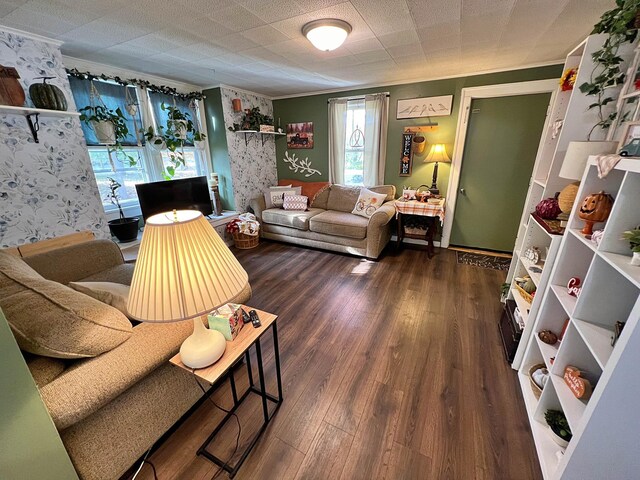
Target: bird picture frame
x=424, y=107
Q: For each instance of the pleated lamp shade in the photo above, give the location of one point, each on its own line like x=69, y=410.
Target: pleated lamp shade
x=184, y=269
x=438, y=153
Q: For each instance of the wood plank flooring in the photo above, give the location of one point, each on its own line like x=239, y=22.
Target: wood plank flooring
x=391, y=370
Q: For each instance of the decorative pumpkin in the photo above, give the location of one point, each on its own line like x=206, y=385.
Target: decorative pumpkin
x=548, y=337
x=11, y=92
x=595, y=208
x=45, y=95
x=548, y=208
x=567, y=197
x=529, y=286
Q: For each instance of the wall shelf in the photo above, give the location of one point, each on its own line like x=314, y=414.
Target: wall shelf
x=32, y=115
x=264, y=135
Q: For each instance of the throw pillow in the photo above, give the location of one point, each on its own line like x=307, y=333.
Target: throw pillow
x=368, y=202
x=114, y=294
x=274, y=197
x=309, y=189
x=295, y=202
x=53, y=320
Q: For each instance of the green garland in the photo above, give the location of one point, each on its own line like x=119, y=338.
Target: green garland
x=74, y=72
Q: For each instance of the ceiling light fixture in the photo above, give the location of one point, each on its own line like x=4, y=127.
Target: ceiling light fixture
x=327, y=34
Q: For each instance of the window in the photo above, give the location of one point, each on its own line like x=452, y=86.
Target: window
x=354, y=143
x=358, y=139
x=151, y=164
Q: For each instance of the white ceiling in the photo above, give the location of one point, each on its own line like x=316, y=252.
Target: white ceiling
x=257, y=44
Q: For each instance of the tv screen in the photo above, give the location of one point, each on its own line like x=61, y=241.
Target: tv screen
x=183, y=194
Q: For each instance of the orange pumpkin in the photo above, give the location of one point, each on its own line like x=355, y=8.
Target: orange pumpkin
x=595, y=208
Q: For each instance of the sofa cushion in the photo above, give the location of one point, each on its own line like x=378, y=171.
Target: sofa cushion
x=388, y=190
x=342, y=198
x=122, y=274
x=274, y=196
x=321, y=198
x=290, y=218
x=44, y=370
x=114, y=294
x=50, y=319
x=309, y=189
x=368, y=203
x=342, y=224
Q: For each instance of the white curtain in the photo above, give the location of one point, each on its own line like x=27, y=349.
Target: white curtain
x=375, y=137
x=154, y=157
x=337, y=135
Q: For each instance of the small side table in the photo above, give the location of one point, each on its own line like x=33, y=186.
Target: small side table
x=413, y=207
x=236, y=349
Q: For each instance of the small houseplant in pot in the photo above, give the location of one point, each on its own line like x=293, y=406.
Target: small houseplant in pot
x=633, y=236
x=559, y=427
x=251, y=120
x=125, y=229
x=178, y=123
x=110, y=127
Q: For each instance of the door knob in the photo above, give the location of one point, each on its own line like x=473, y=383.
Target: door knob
x=462, y=191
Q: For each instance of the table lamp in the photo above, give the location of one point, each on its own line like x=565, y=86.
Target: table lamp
x=184, y=271
x=573, y=165
x=437, y=154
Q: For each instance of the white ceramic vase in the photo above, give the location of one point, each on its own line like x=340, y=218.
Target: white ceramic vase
x=181, y=129
x=557, y=438
x=635, y=260
x=200, y=145
x=105, y=132
x=158, y=143
x=132, y=109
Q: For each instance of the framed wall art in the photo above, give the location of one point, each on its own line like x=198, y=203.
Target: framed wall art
x=300, y=135
x=406, y=160
x=424, y=107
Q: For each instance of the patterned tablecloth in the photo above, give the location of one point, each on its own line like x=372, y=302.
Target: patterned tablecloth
x=413, y=207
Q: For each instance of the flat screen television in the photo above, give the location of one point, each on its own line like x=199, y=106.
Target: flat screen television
x=183, y=194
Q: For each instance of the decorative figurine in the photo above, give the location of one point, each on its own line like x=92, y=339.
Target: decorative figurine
x=548, y=337
x=573, y=287
x=595, y=208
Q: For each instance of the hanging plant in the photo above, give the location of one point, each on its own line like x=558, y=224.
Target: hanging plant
x=110, y=127
x=621, y=28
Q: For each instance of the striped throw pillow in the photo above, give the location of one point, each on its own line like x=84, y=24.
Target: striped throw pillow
x=295, y=202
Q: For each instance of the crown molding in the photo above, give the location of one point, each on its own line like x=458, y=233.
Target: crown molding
x=32, y=36
x=417, y=80
x=124, y=73
x=230, y=87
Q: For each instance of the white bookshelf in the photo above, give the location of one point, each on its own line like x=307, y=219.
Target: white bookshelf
x=606, y=427
x=571, y=108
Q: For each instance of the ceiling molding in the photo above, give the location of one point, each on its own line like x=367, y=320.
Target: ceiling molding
x=417, y=80
x=99, y=68
x=32, y=36
x=237, y=89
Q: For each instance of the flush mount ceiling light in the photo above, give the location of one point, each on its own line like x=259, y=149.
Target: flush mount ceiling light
x=327, y=34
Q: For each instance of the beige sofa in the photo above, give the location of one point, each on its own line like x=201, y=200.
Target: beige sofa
x=111, y=408
x=329, y=223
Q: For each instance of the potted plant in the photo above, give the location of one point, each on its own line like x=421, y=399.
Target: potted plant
x=179, y=124
x=251, y=120
x=620, y=26
x=110, y=127
x=125, y=229
x=633, y=236
x=559, y=427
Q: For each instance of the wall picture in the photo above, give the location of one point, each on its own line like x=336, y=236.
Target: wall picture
x=300, y=135
x=629, y=145
x=406, y=160
x=424, y=107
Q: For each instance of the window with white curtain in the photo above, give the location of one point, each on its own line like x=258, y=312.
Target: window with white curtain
x=358, y=139
x=150, y=163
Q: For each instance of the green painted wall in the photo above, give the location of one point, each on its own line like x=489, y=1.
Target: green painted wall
x=314, y=109
x=218, y=145
x=31, y=446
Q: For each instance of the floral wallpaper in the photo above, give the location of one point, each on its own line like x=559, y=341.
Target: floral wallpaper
x=47, y=189
x=253, y=166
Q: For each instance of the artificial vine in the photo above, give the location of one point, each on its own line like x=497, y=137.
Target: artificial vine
x=74, y=72
x=620, y=25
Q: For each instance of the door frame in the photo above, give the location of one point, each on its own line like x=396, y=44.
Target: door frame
x=467, y=96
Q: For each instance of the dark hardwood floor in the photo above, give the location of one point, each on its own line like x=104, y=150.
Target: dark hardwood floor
x=391, y=369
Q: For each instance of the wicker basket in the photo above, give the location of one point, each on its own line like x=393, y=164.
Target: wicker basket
x=421, y=195
x=527, y=297
x=244, y=241
x=537, y=391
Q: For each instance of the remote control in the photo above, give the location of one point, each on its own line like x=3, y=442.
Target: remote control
x=245, y=317
x=255, y=320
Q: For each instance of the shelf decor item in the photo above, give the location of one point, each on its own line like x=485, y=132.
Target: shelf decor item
x=633, y=236
x=595, y=208
x=11, y=92
x=573, y=287
x=559, y=427
x=532, y=254
x=548, y=337
x=421, y=193
x=419, y=144
x=45, y=95
x=548, y=208
x=236, y=103
x=526, y=288
x=538, y=376
x=579, y=386
x=568, y=79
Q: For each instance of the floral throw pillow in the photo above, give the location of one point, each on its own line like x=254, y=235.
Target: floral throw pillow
x=295, y=202
x=368, y=203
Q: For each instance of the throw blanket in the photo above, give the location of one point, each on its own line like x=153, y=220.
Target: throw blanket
x=606, y=163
